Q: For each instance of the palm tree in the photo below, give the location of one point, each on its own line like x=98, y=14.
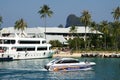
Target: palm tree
x=73, y=30
x=116, y=33
x=116, y=16
x=44, y=12
x=105, y=29
x=20, y=25
x=94, y=26
x=116, y=13
x=86, y=20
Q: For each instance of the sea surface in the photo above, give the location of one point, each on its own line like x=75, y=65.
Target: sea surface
x=105, y=69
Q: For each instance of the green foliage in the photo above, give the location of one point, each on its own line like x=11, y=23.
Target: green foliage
x=73, y=29
x=116, y=16
x=79, y=42
x=45, y=11
x=116, y=13
x=85, y=18
x=55, y=43
x=20, y=25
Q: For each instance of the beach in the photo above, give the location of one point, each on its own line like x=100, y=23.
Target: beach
x=67, y=55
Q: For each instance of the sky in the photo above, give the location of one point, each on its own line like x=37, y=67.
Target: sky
x=13, y=10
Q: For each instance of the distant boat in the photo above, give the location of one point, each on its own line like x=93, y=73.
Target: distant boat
x=68, y=64
x=21, y=46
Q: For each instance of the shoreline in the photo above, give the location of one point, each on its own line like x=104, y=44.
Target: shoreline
x=88, y=54
x=67, y=55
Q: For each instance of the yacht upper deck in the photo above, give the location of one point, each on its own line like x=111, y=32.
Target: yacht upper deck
x=21, y=38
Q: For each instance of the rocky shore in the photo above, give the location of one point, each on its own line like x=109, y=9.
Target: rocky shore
x=88, y=54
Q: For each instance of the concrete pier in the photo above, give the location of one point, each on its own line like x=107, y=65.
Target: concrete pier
x=88, y=54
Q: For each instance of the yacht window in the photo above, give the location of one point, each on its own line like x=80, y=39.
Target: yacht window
x=31, y=49
x=49, y=48
x=44, y=53
x=20, y=49
x=41, y=48
x=26, y=49
x=29, y=42
x=43, y=42
x=7, y=41
x=13, y=48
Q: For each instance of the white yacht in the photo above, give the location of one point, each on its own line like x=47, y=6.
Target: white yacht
x=22, y=46
x=68, y=64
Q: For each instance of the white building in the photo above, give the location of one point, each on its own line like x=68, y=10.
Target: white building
x=52, y=33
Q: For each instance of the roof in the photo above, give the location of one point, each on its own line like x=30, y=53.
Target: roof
x=80, y=29
x=55, y=37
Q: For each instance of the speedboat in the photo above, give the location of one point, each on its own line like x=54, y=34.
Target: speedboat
x=68, y=64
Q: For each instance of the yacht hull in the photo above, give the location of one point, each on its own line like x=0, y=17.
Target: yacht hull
x=23, y=55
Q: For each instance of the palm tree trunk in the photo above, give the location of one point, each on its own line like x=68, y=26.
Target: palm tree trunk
x=45, y=28
x=105, y=42
x=85, y=40
x=116, y=43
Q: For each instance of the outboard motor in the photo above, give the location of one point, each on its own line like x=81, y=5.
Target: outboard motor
x=46, y=67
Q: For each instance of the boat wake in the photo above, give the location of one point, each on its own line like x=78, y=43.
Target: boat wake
x=26, y=69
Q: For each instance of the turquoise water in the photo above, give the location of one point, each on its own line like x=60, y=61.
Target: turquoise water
x=106, y=69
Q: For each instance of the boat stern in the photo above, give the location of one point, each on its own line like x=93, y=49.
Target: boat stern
x=92, y=63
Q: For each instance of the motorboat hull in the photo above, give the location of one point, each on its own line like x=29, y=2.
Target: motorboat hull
x=56, y=66
x=70, y=68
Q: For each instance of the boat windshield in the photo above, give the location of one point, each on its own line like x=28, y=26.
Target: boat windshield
x=54, y=60
x=67, y=61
